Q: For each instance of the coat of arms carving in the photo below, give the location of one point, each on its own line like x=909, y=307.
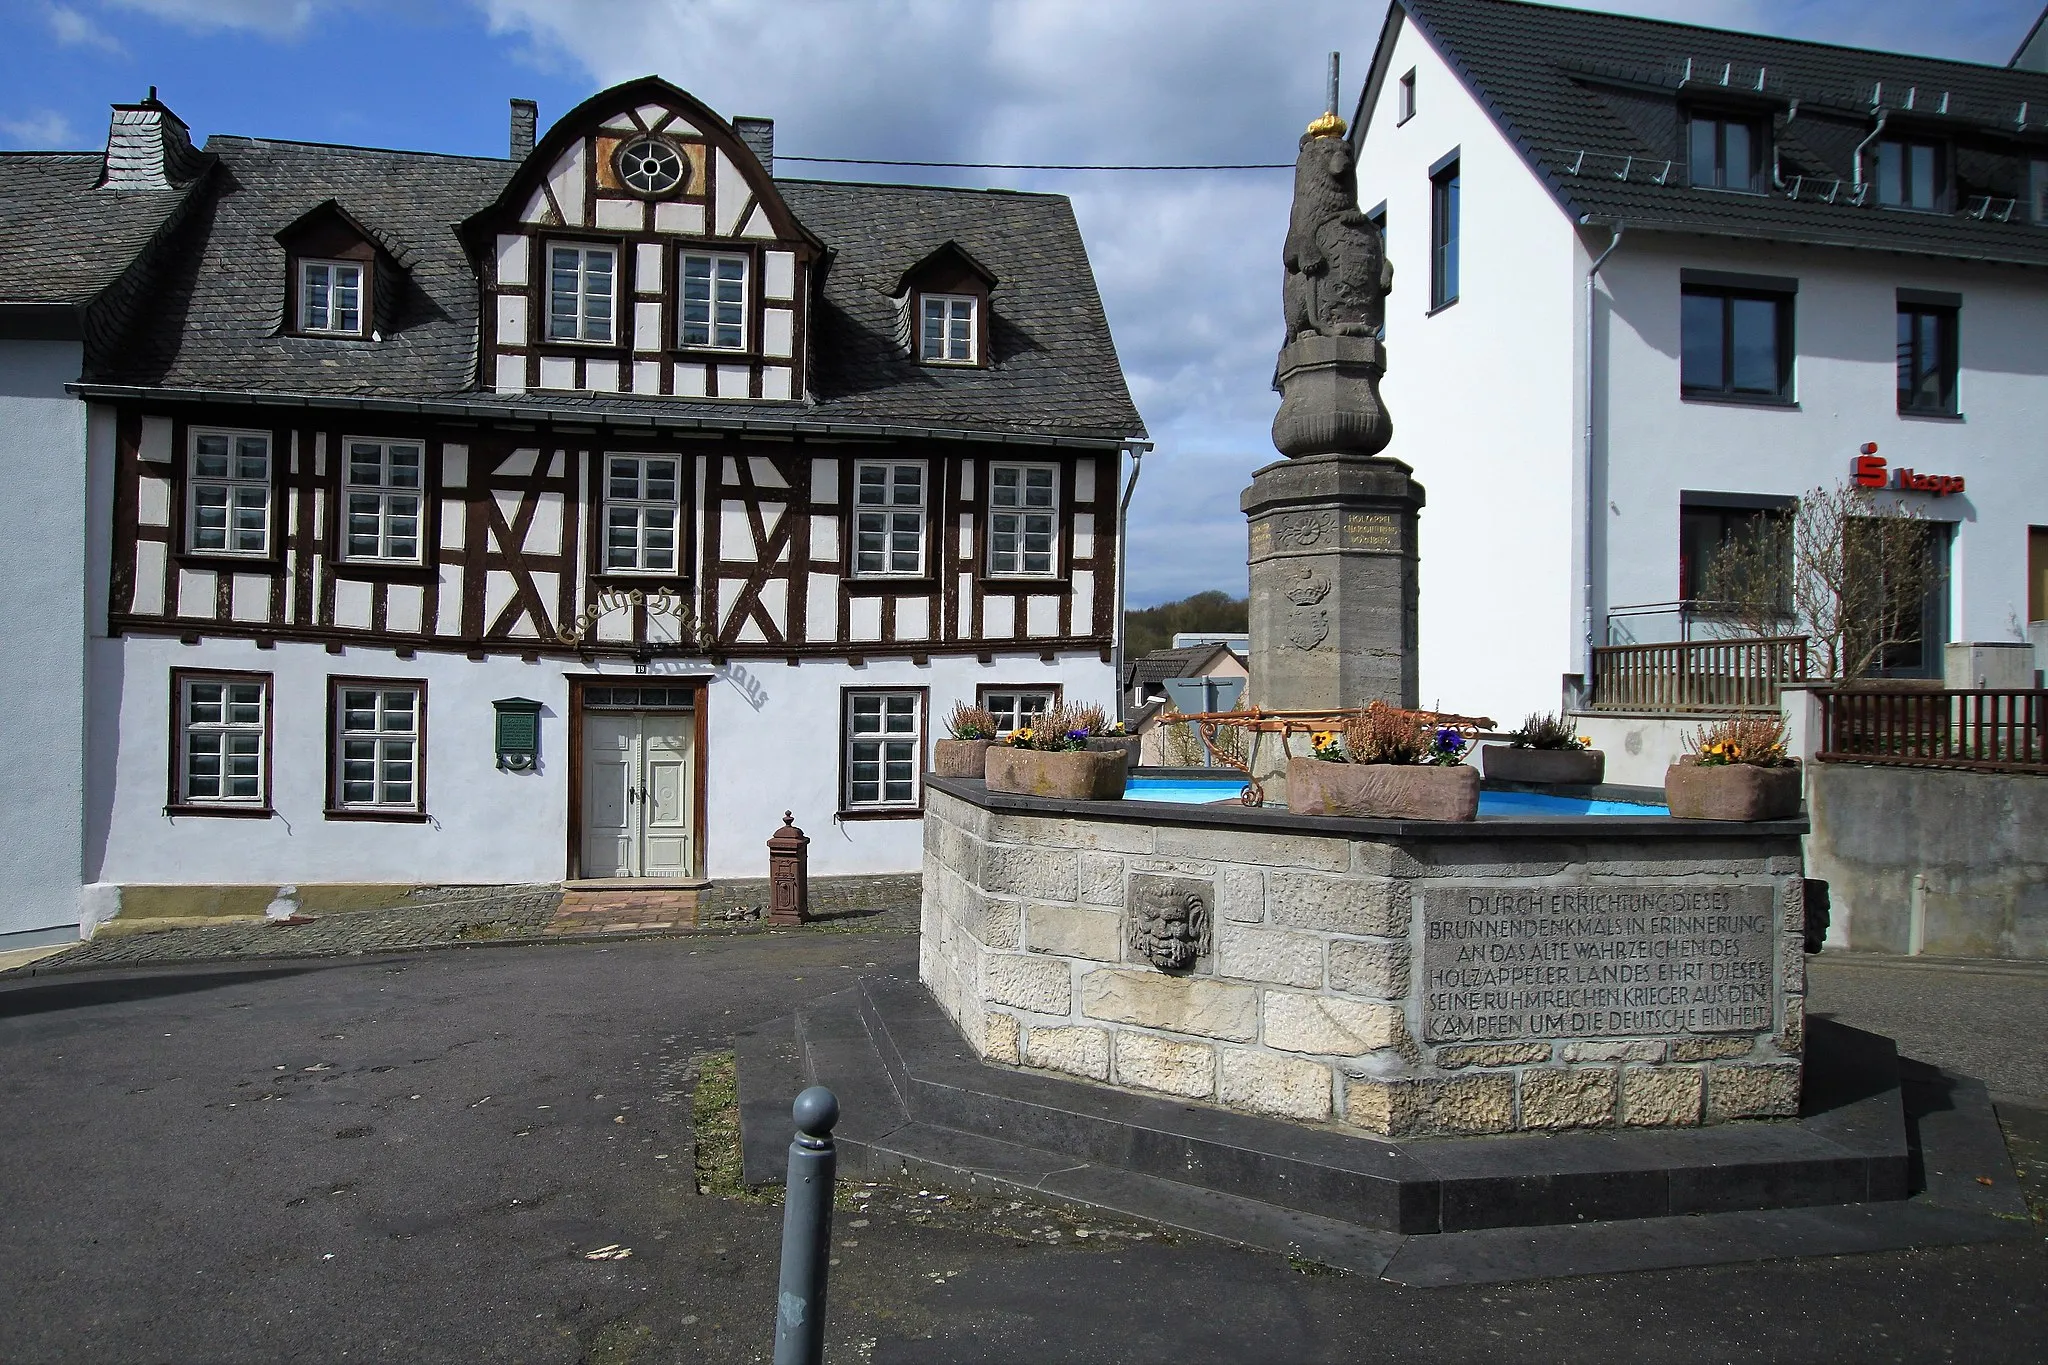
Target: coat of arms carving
x=1169, y=920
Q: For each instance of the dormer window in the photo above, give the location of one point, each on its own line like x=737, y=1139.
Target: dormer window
x=1910, y=175
x=331, y=297
x=1725, y=153
x=581, y=292
x=714, y=301
x=947, y=329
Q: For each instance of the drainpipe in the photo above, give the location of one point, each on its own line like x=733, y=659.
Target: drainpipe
x=1586, y=462
x=1137, y=451
x=1861, y=147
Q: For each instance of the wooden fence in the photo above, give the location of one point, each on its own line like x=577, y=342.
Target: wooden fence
x=1697, y=675
x=1989, y=731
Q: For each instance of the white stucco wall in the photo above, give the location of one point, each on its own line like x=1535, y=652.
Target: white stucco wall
x=42, y=639
x=773, y=745
x=1844, y=377
x=1482, y=397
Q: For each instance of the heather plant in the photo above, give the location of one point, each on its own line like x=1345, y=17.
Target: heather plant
x=1547, y=730
x=1058, y=729
x=970, y=722
x=1757, y=740
x=1381, y=734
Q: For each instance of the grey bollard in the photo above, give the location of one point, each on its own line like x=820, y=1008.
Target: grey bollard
x=806, y=1230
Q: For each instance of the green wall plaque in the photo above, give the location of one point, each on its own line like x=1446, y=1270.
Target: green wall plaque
x=518, y=734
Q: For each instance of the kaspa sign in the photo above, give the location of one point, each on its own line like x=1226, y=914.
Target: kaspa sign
x=1870, y=473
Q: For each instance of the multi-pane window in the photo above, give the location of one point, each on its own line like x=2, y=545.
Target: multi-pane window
x=227, y=493
x=382, y=489
x=714, y=301
x=377, y=746
x=1711, y=527
x=1725, y=153
x=1735, y=343
x=642, y=513
x=1927, y=359
x=1017, y=710
x=884, y=748
x=331, y=297
x=223, y=730
x=1407, y=106
x=888, y=509
x=1910, y=175
x=1443, y=236
x=582, y=287
x=947, y=329
x=1023, y=501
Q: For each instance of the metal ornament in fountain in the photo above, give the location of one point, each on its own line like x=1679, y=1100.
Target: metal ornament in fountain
x=1333, y=525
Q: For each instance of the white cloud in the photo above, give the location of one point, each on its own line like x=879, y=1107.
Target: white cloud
x=72, y=29
x=273, y=18
x=44, y=130
x=1188, y=264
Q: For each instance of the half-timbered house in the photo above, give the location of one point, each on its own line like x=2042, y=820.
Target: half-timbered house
x=577, y=514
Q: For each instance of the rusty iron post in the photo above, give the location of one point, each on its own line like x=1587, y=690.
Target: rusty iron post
x=789, y=874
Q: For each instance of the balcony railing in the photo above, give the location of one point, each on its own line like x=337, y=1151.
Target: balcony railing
x=1697, y=675
x=1988, y=731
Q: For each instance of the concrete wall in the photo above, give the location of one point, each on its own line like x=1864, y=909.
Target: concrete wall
x=773, y=745
x=42, y=640
x=1486, y=417
x=1319, y=997
x=1921, y=860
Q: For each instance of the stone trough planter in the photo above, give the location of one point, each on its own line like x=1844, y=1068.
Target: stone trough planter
x=1382, y=791
x=1578, y=767
x=1072, y=775
x=960, y=757
x=1731, y=791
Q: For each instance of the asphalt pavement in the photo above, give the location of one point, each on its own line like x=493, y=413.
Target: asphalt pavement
x=486, y=1154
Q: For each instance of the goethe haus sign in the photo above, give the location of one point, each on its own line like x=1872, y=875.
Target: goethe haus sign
x=1870, y=473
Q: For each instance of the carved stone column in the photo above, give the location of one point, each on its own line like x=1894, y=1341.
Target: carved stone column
x=1333, y=581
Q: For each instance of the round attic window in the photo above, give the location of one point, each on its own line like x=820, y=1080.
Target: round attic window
x=651, y=166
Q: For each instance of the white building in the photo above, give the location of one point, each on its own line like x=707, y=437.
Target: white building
x=1803, y=251
x=430, y=519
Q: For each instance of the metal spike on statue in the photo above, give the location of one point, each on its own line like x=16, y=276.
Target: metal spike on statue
x=1338, y=275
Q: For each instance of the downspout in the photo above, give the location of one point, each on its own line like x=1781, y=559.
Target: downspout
x=1137, y=450
x=1857, y=159
x=1586, y=463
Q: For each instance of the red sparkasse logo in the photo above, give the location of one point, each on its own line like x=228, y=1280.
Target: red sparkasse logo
x=1869, y=469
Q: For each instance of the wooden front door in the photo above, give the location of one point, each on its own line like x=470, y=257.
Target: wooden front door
x=639, y=782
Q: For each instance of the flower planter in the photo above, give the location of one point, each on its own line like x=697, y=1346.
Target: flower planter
x=1731, y=791
x=960, y=757
x=1382, y=791
x=1072, y=775
x=1581, y=767
x=1127, y=745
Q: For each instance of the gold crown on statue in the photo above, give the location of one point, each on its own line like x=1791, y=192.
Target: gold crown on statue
x=1326, y=125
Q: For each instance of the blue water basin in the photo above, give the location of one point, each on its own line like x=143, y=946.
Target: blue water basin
x=1512, y=805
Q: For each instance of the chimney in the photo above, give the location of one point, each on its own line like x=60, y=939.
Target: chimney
x=148, y=148
x=759, y=135
x=525, y=117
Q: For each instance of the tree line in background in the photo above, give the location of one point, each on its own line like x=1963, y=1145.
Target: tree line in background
x=1150, y=628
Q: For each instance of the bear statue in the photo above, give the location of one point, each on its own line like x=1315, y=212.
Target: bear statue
x=1338, y=273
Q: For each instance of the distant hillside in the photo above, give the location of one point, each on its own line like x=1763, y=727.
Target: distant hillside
x=1151, y=628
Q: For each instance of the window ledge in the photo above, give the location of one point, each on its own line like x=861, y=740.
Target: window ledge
x=1740, y=400
x=880, y=813
x=214, y=559
x=379, y=568
x=1921, y=415
x=911, y=584
x=1447, y=303
x=230, y=812
x=394, y=817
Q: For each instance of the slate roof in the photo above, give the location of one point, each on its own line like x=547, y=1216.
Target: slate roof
x=1146, y=675
x=1592, y=101
x=220, y=326
x=63, y=241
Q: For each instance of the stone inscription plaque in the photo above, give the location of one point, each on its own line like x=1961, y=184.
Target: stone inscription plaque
x=1378, y=532
x=1597, y=961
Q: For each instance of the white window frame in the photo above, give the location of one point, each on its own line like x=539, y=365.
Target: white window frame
x=641, y=511
x=326, y=292
x=952, y=309
x=394, y=754
x=382, y=500
x=880, y=740
x=582, y=295
x=1048, y=697
x=227, y=727
x=234, y=484
x=714, y=304
x=890, y=524
x=1017, y=521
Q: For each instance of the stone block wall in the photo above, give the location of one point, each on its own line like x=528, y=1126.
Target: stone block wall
x=1336, y=981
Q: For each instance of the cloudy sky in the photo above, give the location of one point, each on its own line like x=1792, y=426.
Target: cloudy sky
x=1187, y=262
